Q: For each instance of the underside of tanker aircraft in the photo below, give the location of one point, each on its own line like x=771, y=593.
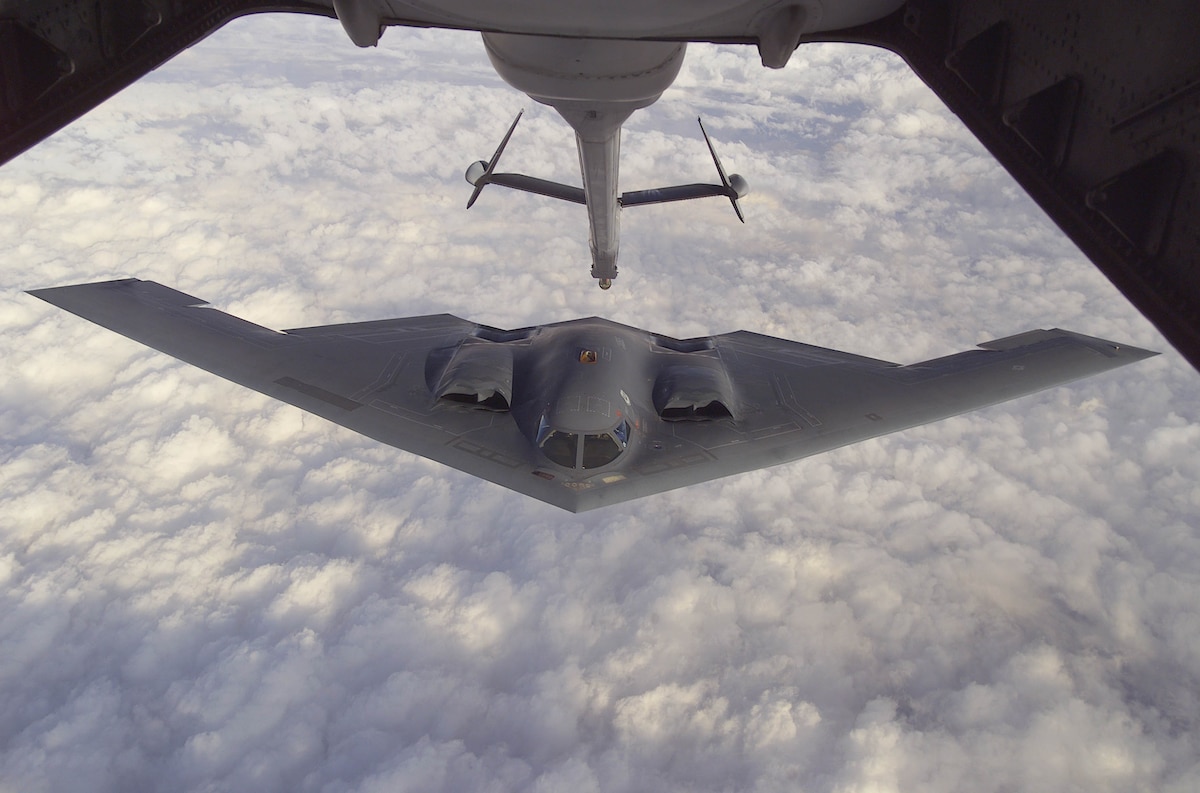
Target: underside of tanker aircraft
x=1092, y=105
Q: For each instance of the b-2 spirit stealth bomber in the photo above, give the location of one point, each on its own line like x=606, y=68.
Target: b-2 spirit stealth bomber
x=586, y=413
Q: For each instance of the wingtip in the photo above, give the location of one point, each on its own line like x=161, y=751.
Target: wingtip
x=81, y=298
x=51, y=294
x=1126, y=353
x=1138, y=353
x=1115, y=349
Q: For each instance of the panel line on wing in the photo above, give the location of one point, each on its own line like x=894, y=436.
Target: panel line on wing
x=385, y=379
x=776, y=430
x=317, y=392
x=490, y=455
x=787, y=398
x=670, y=463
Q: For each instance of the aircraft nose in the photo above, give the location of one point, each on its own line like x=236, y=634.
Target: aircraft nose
x=582, y=413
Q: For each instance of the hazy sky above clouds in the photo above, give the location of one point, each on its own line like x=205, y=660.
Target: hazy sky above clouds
x=206, y=590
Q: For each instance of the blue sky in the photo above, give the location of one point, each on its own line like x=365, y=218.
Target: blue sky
x=204, y=590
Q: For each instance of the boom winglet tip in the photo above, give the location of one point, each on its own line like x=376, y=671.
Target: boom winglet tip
x=735, y=186
x=478, y=172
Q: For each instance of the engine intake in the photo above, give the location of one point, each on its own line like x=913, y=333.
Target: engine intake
x=477, y=374
x=694, y=392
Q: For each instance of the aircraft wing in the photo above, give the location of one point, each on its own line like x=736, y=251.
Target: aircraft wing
x=367, y=376
x=785, y=400
x=793, y=400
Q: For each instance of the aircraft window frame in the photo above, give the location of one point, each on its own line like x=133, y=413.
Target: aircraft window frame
x=608, y=445
x=617, y=437
x=621, y=433
x=599, y=450
x=555, y=442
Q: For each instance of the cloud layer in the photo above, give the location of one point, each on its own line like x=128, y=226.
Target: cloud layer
x=204, y=590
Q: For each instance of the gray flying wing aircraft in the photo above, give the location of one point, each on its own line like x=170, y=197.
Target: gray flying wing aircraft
x=586, y=413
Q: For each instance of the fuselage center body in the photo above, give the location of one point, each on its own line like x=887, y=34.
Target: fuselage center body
x=585, y=378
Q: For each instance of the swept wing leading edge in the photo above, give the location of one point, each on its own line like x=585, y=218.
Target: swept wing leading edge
x=782, y=400
x=332, y=371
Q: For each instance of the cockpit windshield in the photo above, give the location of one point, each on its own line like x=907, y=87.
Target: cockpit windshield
x=560, y=447
x=600, y=450
x=596, y=450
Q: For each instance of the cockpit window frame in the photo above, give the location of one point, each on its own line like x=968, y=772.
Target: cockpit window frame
x=617, y=439
x=599, y=449
x=552, y=440
x=621, y=433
